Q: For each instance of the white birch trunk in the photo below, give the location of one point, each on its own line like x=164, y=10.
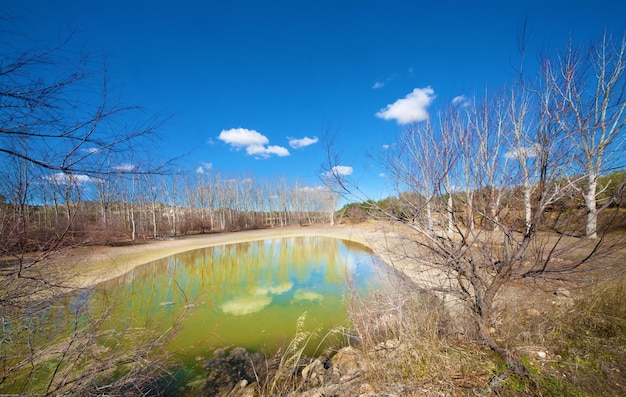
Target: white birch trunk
x=592, y=210
x=429, y=217
x=450, y=217
x=133, y=232
x=527, y=205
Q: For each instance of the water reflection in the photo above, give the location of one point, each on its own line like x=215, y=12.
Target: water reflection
x=246, y=305
x=247, y=294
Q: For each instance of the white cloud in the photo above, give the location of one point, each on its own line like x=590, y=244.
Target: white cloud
x=411, y=108
x=382, y=175
x=255, y=143
x=266, y=151
x=243, y=137
x=523, y=152
x=313, y=189
x=382, y=83
x=205, y=167
x=386, y=146
x=61, y=178
x=340, y=170
x=460, y=100
x=246, y=305
x=124, y=167
x=302, y=142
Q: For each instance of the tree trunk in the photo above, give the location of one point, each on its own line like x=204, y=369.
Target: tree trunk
x=429, y=217
x=154, y=220
x=450, y=218
x=527, y=205
x=590, y=203
x=470, y=211
x=105, y=221
x=133, y=227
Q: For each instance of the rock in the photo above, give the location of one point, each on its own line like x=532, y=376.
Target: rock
x=387, y=345
x=563, y=298
x=347, y=368
x=392, y=344
x=533, y=312
x=244, y=389
x=346, y=361
x=351, y=375
x=314, y=373
x=562, y=292
x=366, y=388
x=333, y=389
x=541, y=354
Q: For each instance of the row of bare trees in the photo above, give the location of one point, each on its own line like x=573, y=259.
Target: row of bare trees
x=481, y=179
x=76, y=161
x=144, y=205
x=551, y=137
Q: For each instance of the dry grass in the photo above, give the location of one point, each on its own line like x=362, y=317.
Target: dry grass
x=575, y=346
x=571, y=346
x=413, y=347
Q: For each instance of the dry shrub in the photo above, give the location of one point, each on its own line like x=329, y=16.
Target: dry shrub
x=284, y=378
x=412, y=345
x=39, y=359
x=573, y=346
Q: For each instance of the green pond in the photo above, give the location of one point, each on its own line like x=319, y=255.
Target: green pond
x=247, y=294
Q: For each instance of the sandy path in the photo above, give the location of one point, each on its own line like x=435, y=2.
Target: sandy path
x=92, y=265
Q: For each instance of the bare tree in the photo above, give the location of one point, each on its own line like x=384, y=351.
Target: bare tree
x=60, y=125
x=284, y=205
x=418, y=163
x=471, y=264
x=525, y=149
x=588, y=85
x=486, y=131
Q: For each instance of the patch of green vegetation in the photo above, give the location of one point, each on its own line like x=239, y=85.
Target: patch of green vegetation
x=552, y=383
x=591, y=340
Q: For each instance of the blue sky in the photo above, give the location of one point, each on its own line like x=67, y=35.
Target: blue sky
x=253, y=86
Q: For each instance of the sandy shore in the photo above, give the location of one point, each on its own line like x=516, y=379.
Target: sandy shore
x=92, y=265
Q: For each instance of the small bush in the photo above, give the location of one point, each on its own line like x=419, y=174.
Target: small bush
x=412, y=346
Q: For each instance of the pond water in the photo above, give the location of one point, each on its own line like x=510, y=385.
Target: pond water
x=247, y=294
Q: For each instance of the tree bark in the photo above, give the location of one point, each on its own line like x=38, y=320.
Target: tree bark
x=592, y=210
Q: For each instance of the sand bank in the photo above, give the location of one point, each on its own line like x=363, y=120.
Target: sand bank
x=95, y=264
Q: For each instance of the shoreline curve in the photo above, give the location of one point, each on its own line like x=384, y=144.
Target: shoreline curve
x=90, y=265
